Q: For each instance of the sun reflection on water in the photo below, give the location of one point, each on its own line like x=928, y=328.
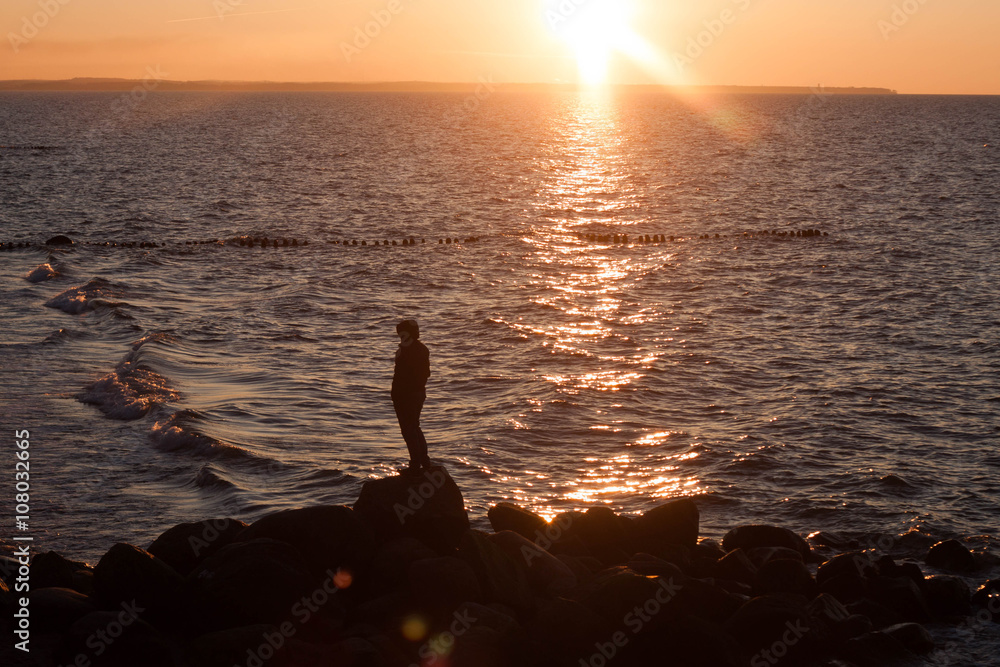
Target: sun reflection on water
x=586, y=318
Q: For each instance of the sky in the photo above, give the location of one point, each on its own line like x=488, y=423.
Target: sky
x=913, y=46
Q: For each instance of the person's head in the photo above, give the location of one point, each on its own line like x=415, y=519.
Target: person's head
x=410, y=327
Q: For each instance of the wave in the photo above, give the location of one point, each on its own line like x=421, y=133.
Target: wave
x=131, y=390
x=96, y=293
x=178, y=433
x=41, y=273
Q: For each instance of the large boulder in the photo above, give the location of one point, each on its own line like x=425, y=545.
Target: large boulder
x=427, y=505
x=255, y=582
x=546, y=573
x=128, y=574
x=604, y=533
x=952, y=556
x=503, y=578
x=51, y=570
x=947, y=595
x=328, y=537
x=508, y=516
x=900, y=594
x=675, y=522
x=186, y=545
x=754, y=536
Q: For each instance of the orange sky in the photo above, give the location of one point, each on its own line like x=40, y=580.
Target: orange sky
x=914, y=46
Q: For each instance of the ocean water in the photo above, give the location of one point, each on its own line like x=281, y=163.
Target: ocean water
x=846, y=382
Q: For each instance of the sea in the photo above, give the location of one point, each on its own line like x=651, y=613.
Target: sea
x=784, y=307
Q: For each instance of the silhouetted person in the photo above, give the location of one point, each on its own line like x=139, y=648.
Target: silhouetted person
x=409, y=380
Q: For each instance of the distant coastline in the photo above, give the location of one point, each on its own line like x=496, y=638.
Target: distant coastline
x=123, y=85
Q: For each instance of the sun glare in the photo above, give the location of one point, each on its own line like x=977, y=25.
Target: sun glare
x=595, y=30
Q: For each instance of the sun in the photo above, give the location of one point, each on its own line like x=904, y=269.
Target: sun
x=595, y=30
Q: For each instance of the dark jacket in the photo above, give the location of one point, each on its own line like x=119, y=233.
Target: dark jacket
x=413, y=367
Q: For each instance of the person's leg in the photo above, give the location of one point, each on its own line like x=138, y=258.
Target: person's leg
x=408, y=415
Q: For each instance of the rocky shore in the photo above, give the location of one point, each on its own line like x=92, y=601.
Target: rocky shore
x=400, y=579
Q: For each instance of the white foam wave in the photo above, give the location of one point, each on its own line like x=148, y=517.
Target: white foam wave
x=41, y=273
x=131, y=390
x=80, y=299
x=174, y=435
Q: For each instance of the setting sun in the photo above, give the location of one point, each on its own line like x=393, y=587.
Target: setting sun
x=595, y=31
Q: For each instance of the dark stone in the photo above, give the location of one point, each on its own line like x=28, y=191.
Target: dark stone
x=502, y=578
x=229, y=647
x=708, y=549
x=616, y=592
x=444, y=583
x=753, y=536
x=184, y=546
x=59, y=239
x=392, y=561
x=700, y=598
x=650, y=566
x=901, y=595
x=427, y=506
x=546, y=573
x=55, y=609
x=328, y=537
x=952, y=556
x=488, y=638
x=603, y=532
x=852, y=564
x=565, y=631
x=508, y=516
x=947, y=595
x=129, y=574
x=760, y=555
x=762, y=621
x=913, y=636
x=675, y=522
x=736, y=565
x=847, y=588
x=785, y=576
x=879, y=615
x=888, y=567
x=986, y=594
x=877, y=649
x=50, y=570
x=137, y=643
x=254, y=582
x=829, y=621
